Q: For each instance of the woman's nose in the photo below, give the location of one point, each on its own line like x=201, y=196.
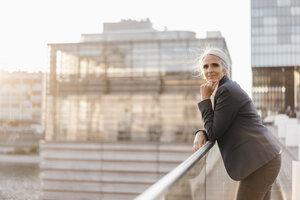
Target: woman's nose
x=210, y=69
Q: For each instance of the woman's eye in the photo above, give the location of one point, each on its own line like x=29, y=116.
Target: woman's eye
x=205, y=66
x=215, y=64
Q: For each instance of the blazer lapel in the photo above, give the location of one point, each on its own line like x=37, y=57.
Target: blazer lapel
x=221, y=82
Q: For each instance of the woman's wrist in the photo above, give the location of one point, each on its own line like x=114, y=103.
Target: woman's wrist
x=197, y=132
x=203, y=132
x=200, y=130
x=204, y=98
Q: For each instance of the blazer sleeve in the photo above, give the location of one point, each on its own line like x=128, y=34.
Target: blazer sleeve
x=217, y=121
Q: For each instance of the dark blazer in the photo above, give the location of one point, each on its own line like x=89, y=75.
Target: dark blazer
x=244, y=142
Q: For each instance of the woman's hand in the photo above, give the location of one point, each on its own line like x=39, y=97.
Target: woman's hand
x=207, y=89
x=199, y=140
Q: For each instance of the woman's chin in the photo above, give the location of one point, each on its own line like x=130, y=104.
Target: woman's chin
x=213, y=80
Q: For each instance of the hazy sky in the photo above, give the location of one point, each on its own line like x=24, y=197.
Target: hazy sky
x=28, y=25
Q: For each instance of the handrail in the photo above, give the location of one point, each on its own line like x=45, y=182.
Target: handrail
x=162, y=186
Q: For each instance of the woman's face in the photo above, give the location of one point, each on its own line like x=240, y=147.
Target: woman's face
x=212, y=68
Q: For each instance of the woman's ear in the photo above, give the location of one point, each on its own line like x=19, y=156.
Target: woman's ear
x=224, y=70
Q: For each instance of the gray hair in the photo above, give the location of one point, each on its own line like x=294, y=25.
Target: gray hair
x=224, y=59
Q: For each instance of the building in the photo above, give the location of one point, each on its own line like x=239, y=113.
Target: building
x=21, y=98
x=124, y=83
x=275, y=54
x=120, y=108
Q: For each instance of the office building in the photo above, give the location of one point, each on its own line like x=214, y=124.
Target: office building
x=130, y=82
x=275, y=54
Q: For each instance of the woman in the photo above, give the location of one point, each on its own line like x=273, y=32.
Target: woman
x=250, y=154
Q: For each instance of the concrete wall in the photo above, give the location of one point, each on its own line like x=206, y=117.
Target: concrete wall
x=106, y=171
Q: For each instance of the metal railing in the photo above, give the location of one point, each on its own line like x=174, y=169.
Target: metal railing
x=164, y=185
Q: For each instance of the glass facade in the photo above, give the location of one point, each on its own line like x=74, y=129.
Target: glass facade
x=273, y=89
x=275, y=54
x=108, y=87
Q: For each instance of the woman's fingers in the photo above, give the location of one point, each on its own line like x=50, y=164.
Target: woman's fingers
x=214, y=84
x=199, y=141
x=207, y=89
x=195, y=147
x=198, y=145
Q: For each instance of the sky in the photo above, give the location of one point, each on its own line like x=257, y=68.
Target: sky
x=28, y=26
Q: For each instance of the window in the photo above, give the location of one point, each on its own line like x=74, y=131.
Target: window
x=295, y=10
x=283, y=3
x=270, y=21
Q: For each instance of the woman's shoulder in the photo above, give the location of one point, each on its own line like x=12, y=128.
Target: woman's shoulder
x=233, y=88
x=228, y=86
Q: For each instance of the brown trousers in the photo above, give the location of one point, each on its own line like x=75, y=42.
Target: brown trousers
x=257, y=186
